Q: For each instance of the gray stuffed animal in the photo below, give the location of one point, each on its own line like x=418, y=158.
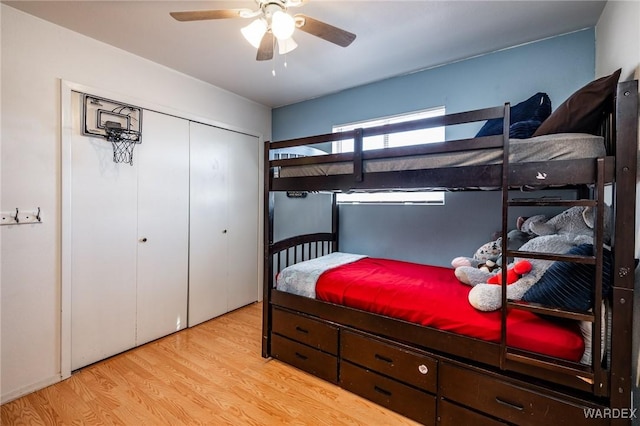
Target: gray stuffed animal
x=488, y=297
x=558, y=235
x=578, y=220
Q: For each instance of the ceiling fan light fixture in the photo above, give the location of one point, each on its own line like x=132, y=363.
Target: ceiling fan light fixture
x=282, y=25
x=286, y=46
x=273, y=24
x=254, y=32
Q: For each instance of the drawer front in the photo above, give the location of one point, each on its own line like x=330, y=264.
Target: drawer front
x=306, y=330
x=450, y=414
x=305, y=358
x=403, y=399
x=507, y=400
x=410, y=367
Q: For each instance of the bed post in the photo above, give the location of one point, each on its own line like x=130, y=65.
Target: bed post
x=506, y=122
x=267, y=282
x=357, y=155
x=624, y=244
x=334, y=222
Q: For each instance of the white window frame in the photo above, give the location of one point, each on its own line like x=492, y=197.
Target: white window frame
x=431, y=135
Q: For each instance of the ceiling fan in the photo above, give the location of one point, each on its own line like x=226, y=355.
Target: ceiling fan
x=273, y=23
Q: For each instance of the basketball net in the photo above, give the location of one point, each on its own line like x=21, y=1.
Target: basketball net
x=123, y=141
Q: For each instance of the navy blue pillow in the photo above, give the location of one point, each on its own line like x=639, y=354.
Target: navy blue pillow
x=523, y=129
x=536, y=108
x=568, y=284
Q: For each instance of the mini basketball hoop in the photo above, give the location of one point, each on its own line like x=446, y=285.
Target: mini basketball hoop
x=123, y=141
x=120, y=124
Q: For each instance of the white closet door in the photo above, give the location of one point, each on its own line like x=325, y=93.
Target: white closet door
x=208, y=223
x=243, y=207
x=103, y=249
x=163, y=226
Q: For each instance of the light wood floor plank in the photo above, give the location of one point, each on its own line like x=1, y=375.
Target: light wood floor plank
x=211, y=374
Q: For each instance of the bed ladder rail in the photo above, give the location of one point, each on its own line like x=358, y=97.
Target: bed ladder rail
x=552, y=311
x=595, y=376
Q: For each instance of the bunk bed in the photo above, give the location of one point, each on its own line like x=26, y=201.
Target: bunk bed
x=438, y=374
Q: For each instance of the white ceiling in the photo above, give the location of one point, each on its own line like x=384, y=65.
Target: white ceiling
x=393, y=38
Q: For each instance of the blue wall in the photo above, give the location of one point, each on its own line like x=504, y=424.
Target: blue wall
x=557, y=66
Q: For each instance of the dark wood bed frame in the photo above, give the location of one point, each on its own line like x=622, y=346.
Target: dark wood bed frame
x=434, y=376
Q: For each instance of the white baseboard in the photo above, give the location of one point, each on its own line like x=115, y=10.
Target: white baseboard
x=17, y=393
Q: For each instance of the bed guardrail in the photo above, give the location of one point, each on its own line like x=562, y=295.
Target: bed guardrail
x=359, y=155
x=299, y=248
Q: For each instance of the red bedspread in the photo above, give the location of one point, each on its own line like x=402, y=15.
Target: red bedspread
x=432, y=296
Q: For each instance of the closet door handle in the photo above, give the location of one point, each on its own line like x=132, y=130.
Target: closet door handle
x=143, y=240
x=224, y=231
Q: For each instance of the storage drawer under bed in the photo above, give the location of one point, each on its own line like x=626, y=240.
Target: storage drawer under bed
x=509, y=400
x=305, y=358
x=408, y=366
x=450, y=414
x=303, y=329
x=408, y=401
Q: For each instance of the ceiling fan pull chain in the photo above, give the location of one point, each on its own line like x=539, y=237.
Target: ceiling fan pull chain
x=273, y=59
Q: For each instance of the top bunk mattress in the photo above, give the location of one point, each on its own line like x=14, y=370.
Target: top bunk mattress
x=562, y=146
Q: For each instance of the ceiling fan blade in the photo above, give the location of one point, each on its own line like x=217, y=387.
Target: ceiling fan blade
x=325, y=31
x=265, y=51
x=201, y=15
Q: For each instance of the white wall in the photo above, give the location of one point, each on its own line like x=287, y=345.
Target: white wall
x=36, y=56
x=618, y=39
x=618, y=46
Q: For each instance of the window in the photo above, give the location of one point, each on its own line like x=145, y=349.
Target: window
x=413, y=137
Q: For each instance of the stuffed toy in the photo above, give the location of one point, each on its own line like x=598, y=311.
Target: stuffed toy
x=524, y=223
x=557, y=235
x=488, y=256
x=488, y=297
x=487, y=252
x=491, y=265
x=578, y=220
x=513, y=273
x=471, y=271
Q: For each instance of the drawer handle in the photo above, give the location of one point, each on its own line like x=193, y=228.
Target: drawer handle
x=384, y=358
x=382, y=391
x=509, y=404
x=303, y=357
x=301, y=330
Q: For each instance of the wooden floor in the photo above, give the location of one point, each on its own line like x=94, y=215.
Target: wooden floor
x=211, y=374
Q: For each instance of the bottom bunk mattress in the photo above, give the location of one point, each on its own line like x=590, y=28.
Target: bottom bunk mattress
x=427, y=295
